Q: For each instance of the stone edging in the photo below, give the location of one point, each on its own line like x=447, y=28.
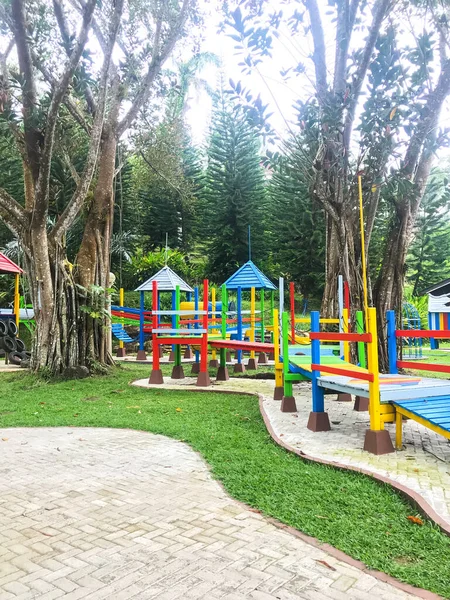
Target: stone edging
x=406, y=492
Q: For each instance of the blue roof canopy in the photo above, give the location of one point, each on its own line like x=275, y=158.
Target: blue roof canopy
x=249, y=276
x=167, y=280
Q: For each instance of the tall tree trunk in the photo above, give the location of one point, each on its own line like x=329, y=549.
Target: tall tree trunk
x=93, y=260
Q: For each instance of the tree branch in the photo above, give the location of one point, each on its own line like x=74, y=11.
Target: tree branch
x=346, y=21
x=71, y=211
x=67, y=43
x=426, y=128
x=12, y=213
x=319, y=56
x=158, y=59
x=68, y=101
x=43, y=183
x=379, y=13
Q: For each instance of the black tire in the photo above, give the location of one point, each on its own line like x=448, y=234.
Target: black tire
x=20, y=345
x=15, y=358
x=12, y=328
x=25, y=355
x=3, y=328
x=8, y=344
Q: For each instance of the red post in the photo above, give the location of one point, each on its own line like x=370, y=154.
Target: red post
x=203, y=376
x=156, y=375
x=292, y=299
x=346, y=295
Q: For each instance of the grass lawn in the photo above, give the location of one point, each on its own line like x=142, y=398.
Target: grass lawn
x=353, y=513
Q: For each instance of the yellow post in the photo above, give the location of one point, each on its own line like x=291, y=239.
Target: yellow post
x=213, y=308
x=276, y=352
x=252, y=318
x=376, y=423
x=363, y=252
x=121, y=302
x=17, y=299
x=398, y=430
x=345, y=328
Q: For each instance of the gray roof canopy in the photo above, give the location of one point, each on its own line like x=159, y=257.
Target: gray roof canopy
x=167, y=281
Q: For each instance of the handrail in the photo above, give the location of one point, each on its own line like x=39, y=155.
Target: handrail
x=346, y=372
x=426, y=333
x=340, y=337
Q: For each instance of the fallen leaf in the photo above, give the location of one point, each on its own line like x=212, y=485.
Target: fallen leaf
x=321, y=517
x=46, y=534
x=179, y=409
x=392, y=113
x=325, y=564
x=42, y=403
x=5, y=439
x=75, y=415
x=133, y=407
x=415, y=520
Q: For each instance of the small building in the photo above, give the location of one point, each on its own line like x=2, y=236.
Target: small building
x=438, y=308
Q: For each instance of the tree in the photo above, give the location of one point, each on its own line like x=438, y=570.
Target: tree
x=234, y=194
x=377, y=99
x=428, y=260
x=39, y=96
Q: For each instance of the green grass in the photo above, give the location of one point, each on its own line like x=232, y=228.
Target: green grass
x=365, y=519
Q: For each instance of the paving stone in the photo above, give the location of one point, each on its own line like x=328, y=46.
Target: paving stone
x=130, y=515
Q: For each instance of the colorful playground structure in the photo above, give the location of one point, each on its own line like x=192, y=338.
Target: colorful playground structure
x=322, y=356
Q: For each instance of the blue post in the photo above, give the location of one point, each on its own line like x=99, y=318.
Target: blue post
x=437, y=326
x=141, y=321
x=318, y=404
x=391, y=342
x=197, y=353
x=239, y=321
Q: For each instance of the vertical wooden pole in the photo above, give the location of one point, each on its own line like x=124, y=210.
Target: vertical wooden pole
x=318, y=418
x=292, y=304
x=156, y=374
x=345, y=328
x=203, y=377
x=359, y=319
x=252, y=318
x=372, y=359
x=121, y=302
x=17, y=299
x=391, y=342
x=214, y=331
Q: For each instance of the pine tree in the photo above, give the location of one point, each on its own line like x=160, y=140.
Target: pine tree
x=428, y=260
x=298, y=226
x=234, y=195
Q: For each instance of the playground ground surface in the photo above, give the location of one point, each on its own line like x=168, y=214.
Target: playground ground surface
x=365, y=519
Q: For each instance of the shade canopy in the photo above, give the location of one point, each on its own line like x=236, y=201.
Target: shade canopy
x=167, y=281
x=8, y=266
x=249, y=276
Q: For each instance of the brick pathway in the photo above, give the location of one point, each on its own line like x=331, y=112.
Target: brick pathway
x=423, y=465
x=101, y=513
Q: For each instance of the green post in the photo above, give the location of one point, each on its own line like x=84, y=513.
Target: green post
x=223, y=351
x=288, y=390
x=262, y=315
x=359, y=319
x=177, y=325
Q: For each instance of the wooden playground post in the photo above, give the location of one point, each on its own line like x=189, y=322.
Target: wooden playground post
x=222, y=373
x=213, y=362
x=262, y=359
x=251, y=361
x=377, y=439
x=278, y=392
x=17, y=300
x=141, y=355
x=195, y=370
x=121, y=352
x=239, y=365
x=203, y=379
x=292, y=301
x=156, y=374
x=318, y=418
x=177, y=371
x=359, y=320
x=345, y=330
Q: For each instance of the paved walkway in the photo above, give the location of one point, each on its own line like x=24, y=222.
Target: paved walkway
x=423, y=465
x=112, y=514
